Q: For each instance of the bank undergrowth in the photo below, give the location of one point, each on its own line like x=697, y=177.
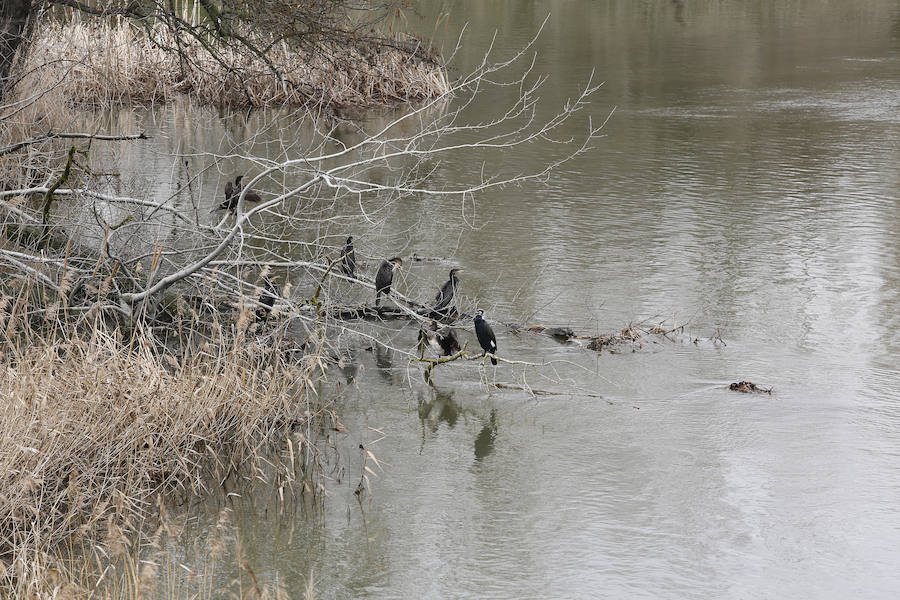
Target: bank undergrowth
x=100, y=64
x=96, y=426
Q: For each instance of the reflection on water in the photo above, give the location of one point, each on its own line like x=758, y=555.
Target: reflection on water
x=384, y=361
x=349, y=363
x=439, y=408
x=484, y=441
x=748, y=184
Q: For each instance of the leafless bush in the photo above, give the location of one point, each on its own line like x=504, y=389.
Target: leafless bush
x=129, y=251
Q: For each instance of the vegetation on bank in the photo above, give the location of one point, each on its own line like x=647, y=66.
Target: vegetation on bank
x=234, y=53
x=101, y=64
x=95, y=425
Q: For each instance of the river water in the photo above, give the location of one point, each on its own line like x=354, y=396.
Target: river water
x=748, y=188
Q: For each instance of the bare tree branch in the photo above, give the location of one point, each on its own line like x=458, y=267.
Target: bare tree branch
x=71, y=136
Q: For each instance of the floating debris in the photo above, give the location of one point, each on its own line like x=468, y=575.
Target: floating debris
x=598, y=342
x=563, y=334
x=748, y=387
x=632, y=334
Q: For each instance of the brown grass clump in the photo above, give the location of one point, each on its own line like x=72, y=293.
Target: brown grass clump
x=93, y=428
x=99, y=64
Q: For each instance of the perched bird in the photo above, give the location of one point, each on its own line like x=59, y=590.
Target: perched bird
x=233, y=194
x=444, y=298
x=348, y=264
x=444, y=343
x=250, y=195
x=485, y=335
x=230, y=200
x=447, y=340
x=266, y=300
x=384, y=277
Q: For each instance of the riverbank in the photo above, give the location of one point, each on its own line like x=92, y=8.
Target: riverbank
x=98, y=428
x=102, y=64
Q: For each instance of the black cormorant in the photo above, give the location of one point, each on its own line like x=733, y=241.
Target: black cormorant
x=485, y=335
x=447, y=340
x=266, y=300
x=348, y=263
x=444, y=343
x=229, y=197
x=444, y=298
x=249, y=196
x=384, y=277
x=233, y=194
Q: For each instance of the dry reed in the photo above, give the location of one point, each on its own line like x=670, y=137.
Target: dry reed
x=101, y=65
x=94, y=427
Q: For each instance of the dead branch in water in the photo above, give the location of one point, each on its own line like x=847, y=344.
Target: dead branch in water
x=540, y=392
x=633, y=335
x=70, y=136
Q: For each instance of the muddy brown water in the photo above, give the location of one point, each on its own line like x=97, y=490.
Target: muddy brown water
x=748, y=185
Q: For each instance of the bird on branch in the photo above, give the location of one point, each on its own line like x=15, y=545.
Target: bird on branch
x=385, y=277
x=444, y=300
x=266, y=300
x=348, y=262
x=485, y=335
x=444, y=343
x=233, y=194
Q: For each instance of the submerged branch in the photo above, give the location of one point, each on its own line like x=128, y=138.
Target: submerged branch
x=71, y=136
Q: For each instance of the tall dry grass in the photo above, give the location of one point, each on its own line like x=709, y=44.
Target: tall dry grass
x=96, y=427
x=45, y=111
x=101, y=64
